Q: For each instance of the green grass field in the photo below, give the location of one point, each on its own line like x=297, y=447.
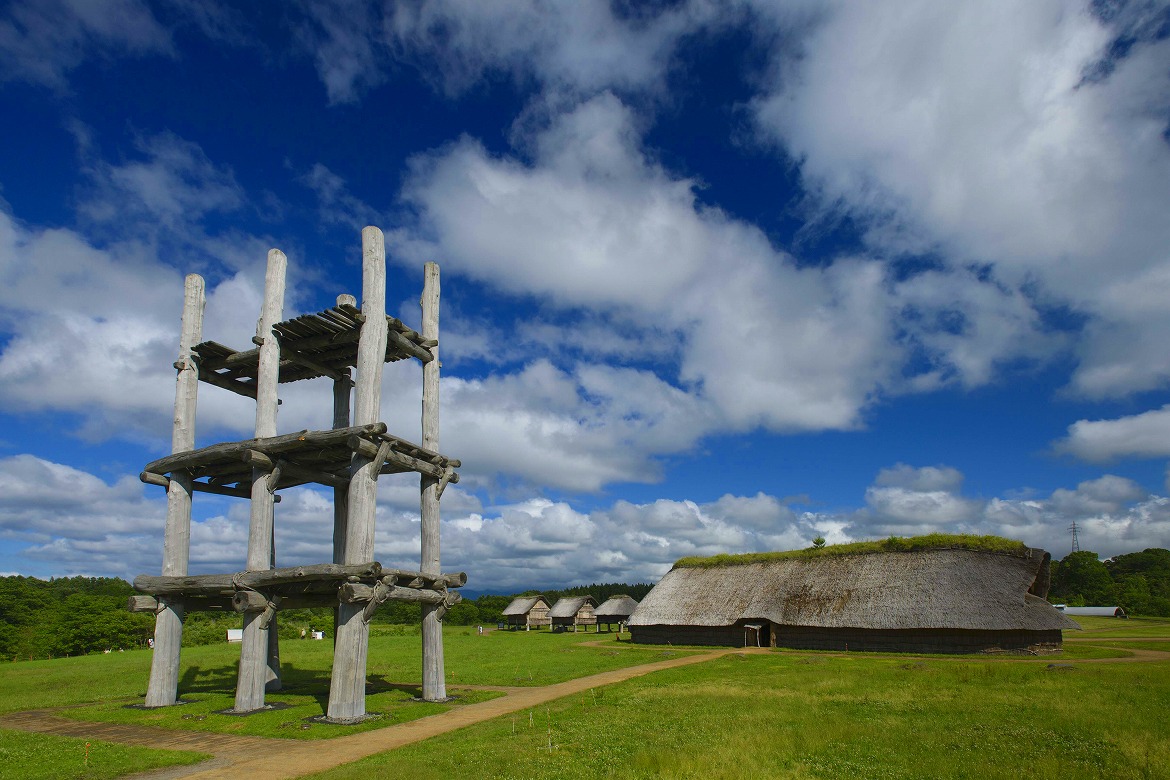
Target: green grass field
x=791, y=715
x=49, y=757
x=783, y=714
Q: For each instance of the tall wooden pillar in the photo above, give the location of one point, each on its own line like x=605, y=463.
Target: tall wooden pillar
x=163, y=689
x=434, y=684
x=347, y=688
x=256, y=664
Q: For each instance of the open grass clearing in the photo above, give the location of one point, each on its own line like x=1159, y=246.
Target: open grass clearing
x=290, y=716
x=26, y=756
x=104, y=684
x=823, y=716
x=763, y=701
x=1096, y=627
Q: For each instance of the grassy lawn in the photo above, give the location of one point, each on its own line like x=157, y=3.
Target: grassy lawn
x=783, y=714
x=1098, y=627
x=107, y=683
x=289, y=718
x=819, y=716
x=49, y=757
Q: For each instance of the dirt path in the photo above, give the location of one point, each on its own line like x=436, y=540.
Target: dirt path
x=263, y=758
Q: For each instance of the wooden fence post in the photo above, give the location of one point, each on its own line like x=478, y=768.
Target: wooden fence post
x=168, y=625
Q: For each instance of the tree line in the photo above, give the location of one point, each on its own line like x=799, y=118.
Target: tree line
x=68, y=616
x=1139, y=582
x=80, y=615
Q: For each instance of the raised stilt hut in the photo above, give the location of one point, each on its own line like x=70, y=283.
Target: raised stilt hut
x=349, y=458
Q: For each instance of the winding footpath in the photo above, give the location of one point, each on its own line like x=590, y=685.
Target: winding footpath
x=263, y=758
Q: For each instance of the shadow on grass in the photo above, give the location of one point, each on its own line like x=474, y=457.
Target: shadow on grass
x=216, y=679
x=222, y=679
x=378, y=684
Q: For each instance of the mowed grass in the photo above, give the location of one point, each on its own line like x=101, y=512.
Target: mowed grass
x=288, y=716
x=1097, y=627
x=790, y=715
x=780, y=714
x=103, y=685
x=49, y=757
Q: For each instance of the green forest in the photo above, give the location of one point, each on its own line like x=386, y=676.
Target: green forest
x=1139, y=581
x=80, y=615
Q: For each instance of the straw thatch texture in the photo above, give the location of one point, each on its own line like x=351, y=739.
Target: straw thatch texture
x=527, y=611
x=574, y=611
x=831, y=600
x=616, y=609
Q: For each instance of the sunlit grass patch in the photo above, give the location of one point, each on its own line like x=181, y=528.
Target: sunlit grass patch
x=287, y=715
x=788, y=716
x=50, y=757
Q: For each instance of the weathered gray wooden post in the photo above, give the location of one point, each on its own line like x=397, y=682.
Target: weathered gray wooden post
x=255, y=658
x=163, y=688
x=347, y=687
x=434, y=684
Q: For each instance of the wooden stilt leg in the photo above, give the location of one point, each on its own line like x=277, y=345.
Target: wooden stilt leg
x=168, y=626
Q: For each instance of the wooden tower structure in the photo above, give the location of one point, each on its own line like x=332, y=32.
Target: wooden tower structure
x=349, y=458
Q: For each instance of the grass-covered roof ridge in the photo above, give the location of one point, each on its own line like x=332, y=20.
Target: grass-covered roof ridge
x=994, y=544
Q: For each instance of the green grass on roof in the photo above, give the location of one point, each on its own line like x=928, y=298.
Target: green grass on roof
x=996, y=544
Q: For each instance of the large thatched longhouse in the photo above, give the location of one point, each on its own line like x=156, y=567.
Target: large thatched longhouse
x=935, y=597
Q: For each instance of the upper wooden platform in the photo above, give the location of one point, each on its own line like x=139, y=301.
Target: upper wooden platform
x=323, y=457
x=311, y=346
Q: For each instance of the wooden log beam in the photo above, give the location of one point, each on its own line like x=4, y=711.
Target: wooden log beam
x=142, y=604
x=408, y=346
x=369, y=450
x=273, y=445
x=201, y=487
x=237, y=386
x=242, y=360
x=258, y=460
x=290, y=354
x=438, y=581
x=354, y=592
x=258, y=580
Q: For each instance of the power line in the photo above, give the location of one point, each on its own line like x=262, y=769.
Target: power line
x=1076, y=544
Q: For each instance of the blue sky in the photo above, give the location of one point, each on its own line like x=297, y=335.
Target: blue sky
x=717, y=276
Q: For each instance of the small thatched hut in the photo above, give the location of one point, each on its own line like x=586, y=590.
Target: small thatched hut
x=574, y=611
x=527, y=612
x=903, y=595
x=616, y=609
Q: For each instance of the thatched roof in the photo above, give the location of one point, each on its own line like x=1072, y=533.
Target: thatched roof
x=522, y=605
x=949, y=588
x=617, y=607
x=569, y=606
